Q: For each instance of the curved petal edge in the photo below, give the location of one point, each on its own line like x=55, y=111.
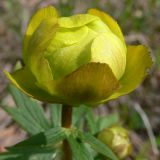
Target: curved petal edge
x=138, y=62
x=25, y=81
x=89, y=84
x=111, y=23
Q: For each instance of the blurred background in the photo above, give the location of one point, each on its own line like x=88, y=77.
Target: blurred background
x=139, y=112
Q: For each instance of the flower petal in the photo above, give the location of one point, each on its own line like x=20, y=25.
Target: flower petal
x=89, y=84
x=38, y=44
x=108, y=48
x=138, y=62
x=67, y=37
x=37, y=18
x=25, y=81
x=78, y=20
x=111, y=23
x=72, y=56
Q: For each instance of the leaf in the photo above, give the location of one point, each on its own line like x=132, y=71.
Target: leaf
x=38, y=147
x=79, y=151
x=97, y=145
x=55, y=110
x=78, y=115
x=9, y=156
x=28, y=113
x=32, y=107
x=30, y=153
x=91, y=121
x=23, y=120
x=107, y=121
x=48, y=138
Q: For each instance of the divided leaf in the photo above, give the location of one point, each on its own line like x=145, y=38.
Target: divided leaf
x=28, y=113
x=107, y=121
x=79, y=151
x=38, y=147
x=55, y=110
x=98, y=145
x=29, y=153
x=48, y=138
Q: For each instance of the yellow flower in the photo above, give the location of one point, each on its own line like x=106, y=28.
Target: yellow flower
x=82, y=59
x=117, y=139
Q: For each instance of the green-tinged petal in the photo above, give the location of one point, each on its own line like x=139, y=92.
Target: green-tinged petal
x=37, y=18
x=65, y=60
x=25, y=81
x=78, y=20
x=39, y=42
x=89, y=84
x=138, y=62
x=98, y=26
x=108, y=48
x=111, y=23
x=66, y=37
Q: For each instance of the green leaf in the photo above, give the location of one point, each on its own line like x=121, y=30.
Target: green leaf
x=79, y=151
x=28, y=113
x=9, y=156
x=158, y=140
x=38, y=147
x=107, y=121
x=78, y=115
x=135, y=121
x=30, y=153
x=97, y=145
x=31, y=106
x=23, y=120
x=48, y=138
x=91, y=121
x=55, y=110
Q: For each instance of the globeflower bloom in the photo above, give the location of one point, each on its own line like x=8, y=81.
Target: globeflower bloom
x=82, y=59
x=117, y=138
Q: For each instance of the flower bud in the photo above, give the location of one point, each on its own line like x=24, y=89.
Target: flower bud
x=81, y=59
x=117, y=139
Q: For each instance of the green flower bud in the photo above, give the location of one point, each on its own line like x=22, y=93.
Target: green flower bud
x=117, y=139
x=78, y=59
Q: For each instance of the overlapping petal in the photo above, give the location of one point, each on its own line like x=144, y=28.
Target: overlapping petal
x=138, y=63
x=37, y=18
x=76, y=20
x=26, y=82
x=100, y=82
x=107, y=48
x=111, y=23
x=72, y=56
x=38, y=44
x=88, y=84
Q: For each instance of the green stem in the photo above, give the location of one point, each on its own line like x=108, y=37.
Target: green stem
x=66, y=123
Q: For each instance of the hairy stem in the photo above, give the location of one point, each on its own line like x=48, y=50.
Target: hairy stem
x=66, y=123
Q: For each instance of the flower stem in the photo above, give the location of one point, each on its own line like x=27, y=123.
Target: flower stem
x=66, y=123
